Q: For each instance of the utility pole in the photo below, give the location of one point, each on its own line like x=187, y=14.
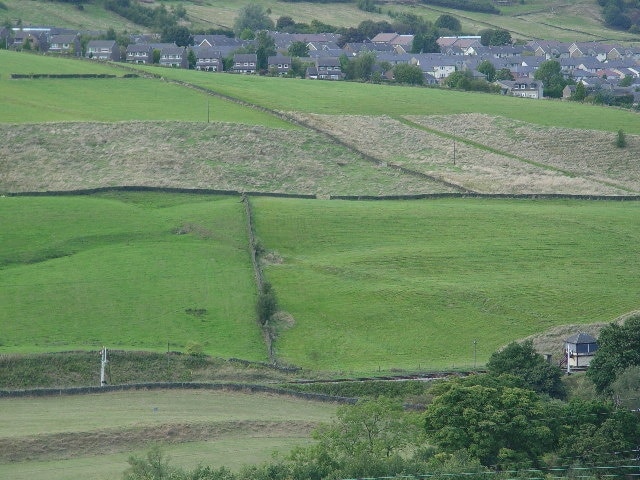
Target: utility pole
x=475, y=344
x=103, y=365
x=454, y=151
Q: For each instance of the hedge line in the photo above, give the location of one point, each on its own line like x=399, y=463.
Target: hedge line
x=141, y=188
x=233, y=387
x=66, y=75
x=525, y=196
x=417, y=196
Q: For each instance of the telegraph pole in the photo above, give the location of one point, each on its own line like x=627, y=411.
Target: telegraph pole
x=103, y=365
x=454, y=151
x=475, y=344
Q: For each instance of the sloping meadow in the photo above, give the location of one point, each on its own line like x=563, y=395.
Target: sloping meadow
x=441, y=283
x=127, y=270
x=222, y=156
x=491, y=154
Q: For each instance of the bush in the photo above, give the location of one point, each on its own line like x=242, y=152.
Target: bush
x=621, y=140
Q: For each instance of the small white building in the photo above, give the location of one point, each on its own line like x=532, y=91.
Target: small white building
x=580, y=350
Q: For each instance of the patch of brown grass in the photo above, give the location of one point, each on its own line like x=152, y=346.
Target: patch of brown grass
x=69, y=156
x=518, y=158
x=107, y=441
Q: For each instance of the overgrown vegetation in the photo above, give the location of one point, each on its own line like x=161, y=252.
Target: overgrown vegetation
x=401, y=390
x=152, y=17
x=82, y=368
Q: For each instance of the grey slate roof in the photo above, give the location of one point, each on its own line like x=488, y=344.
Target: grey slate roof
x=581, y=338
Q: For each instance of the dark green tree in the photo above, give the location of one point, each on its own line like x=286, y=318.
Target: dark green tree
x=550, y=74
x=267, y=304
x=621, y=139
x=297, y=68
x=178, y=34
x=504, y=74
x=350, y=35
x=460, y=79
x=618, y=349
x=580, y=93
x=408, y=74
x=488, y=69
x=448, y=22
x=522, y=360
x=501, y=37
x=499, y=426
x=492, y=36
x=627, y=81
x=252, y=17
x=426, y=42
x=589, y=431
x=298, y=49
x=265, y=47
x=155, y=56
x=365, y=440
x=284, y=22
x=191, y=59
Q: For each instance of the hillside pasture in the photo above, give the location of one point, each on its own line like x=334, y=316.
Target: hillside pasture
x=350, y=98
x=491, y=154
x=412, y=284
x=107, y=99
x=91, y=436
x=132, y=271
x=222, y=156
x=574, y=20
x=92, y=16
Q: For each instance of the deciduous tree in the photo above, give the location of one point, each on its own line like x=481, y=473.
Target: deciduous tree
x=522, y=360
x=618, y=349
x=488, y=69
x=253, y=17
x=550, y=74
x=503, y=425
x=408, y=74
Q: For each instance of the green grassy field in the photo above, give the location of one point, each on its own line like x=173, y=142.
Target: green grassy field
x=126, y=271
x=107, y=100
x=245, y=429
x=403, y=284
x=367, y=99
x=369, y=285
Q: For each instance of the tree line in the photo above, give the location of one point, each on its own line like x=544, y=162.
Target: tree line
x=517, y=420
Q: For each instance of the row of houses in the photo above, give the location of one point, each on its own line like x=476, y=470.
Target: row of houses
x=594, y=64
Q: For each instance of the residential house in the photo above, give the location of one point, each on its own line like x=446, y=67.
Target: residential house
x=208, y=59
x=549, y=49
x=522, y=87
x=326, y=68
x=458, y=43
x=400, y=43
x=279, y=64
x=21, y=39
x=440, y=66
x=580, y=349
x=103, y=50
x=173, y=56
x=139, y=53
x=245, y=63
x=68, y=44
